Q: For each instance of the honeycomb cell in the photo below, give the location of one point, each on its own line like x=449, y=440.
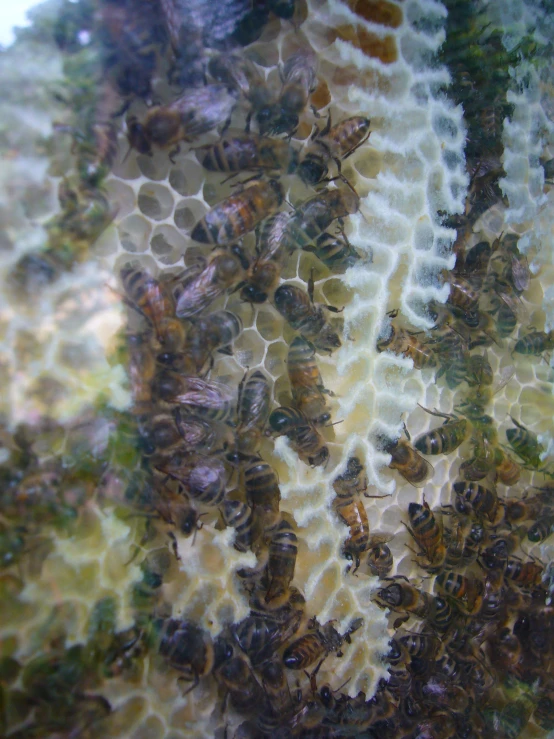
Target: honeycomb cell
x=155, y=167
x=167, y=244
x=155, y=201
x=186, y=179
x=275, y=358
x=121, y=197
x=268, y=324
x=134, y=234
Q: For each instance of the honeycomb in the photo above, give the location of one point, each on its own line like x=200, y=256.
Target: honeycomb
x=379, y=60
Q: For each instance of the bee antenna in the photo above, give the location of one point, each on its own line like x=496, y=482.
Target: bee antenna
x=127, y=154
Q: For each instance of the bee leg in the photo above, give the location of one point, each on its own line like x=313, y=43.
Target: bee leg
x=173, y=153
x=195, y=682
x=312, y=677
x=316, y=113
x=248, y=121
x=174, y=545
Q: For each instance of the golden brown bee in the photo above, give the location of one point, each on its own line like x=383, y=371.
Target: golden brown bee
x=239, y=214
x=516, y=511
x=142, y=371
x=253, y=411
x=282, y=560
x=299, y=81
x=507, y=470
x=412, y=466
x=240, y=75
x=525, y=444
x=154, y=301
x=308, y=392
x=177, y=510
x=262, y=491
x=316, y=645
x=207, y=399
x=336, y=252
x=465, y=593
x=480, y=500
x=206, y=335
x=445, y=439
x=205, y=281
x=379, y=557
x=526, y=574
x=239, y=516
x=462, y=294
x=274, y=244
x=203, y=478
x=535, y=343
x=189, y=649
x=353, y=514
x=314, y=216
x=307, y=317
x=336, y=142
x=403, y=597
x=196, y=112
x=353, y=480
x=242, y=152
x=427, y=533
x=303, y=436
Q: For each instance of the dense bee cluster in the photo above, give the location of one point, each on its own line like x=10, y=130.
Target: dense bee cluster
x=211, y=553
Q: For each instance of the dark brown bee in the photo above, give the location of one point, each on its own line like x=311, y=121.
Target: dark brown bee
x=237, y=678
x=299, y=81
x=239, y=214
x=178, y=511
x=253, y=411
x=479, y=371
x=336, y=252
x=480, y=500
x=314, y=216
x=262, y=491
x=207, y=334
x=282, y=560
x=196, y=112
x=462, y=294
x=419, y=646
x=466, y=594
x=542, y=529
x=260, y=636
x=307, y=317
x=525, y=444
x=154, y=301
x=166, y=434
x=205, y=281
x=317, y=645
x=412, y=466
x=506, y=650
x=276, y=688
x=274, y=244
x=403, y=597
x=242, y=152
x=526, y=574
x=379, y=558
x=427, y=533
x=240, y=75
x=239, y=516
x=203, y=398
x=203, y=478
x=336, y=142
x=308, y=392
x=535, y=343
x=190, y=650
x=303, y=436
x=445, y=439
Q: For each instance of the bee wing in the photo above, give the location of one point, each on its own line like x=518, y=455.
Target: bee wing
x=376, y=539
x=204, y=108
x=208, y=394
x=507, y=374
x=196, y=293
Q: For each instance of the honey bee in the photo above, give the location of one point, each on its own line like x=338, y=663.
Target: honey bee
x=282, y=560
x=167, y=434
x=379, y=557
x=261, y=636
x=445, y=439
x=507, y=470
x=336, y=142
x=203, y=478
x=196, y=112
x=408, y=345
x=479, y=371
x=239, y=214
x=154, y=301
x=253, y=411
x=207, y=399
x=476, y=263
x=207, y=334
x=516, y=511
x=317, y=644
x=352, y=512
x=480, y=500
x=403, y=597
x=274, y=245
x=308, y=392
x=241, y=76
x=419, y=646
x=535, y=343
x=525, y=444
x=308, y=318
x=247, y=151
x=336, y=253
x=205, y=281
x=262, y=491
x=239, y=516
x=314, y=216
x=353, y=480
x=465, y=593
x=526, y=574
x=412, y=466
x=541, y=529
x=237, y=678
x=142, y=371
x=299, y=81
x=462, y=295
x=427, y=533
x=303, y=436
x=177, y=510
x=190, y=650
